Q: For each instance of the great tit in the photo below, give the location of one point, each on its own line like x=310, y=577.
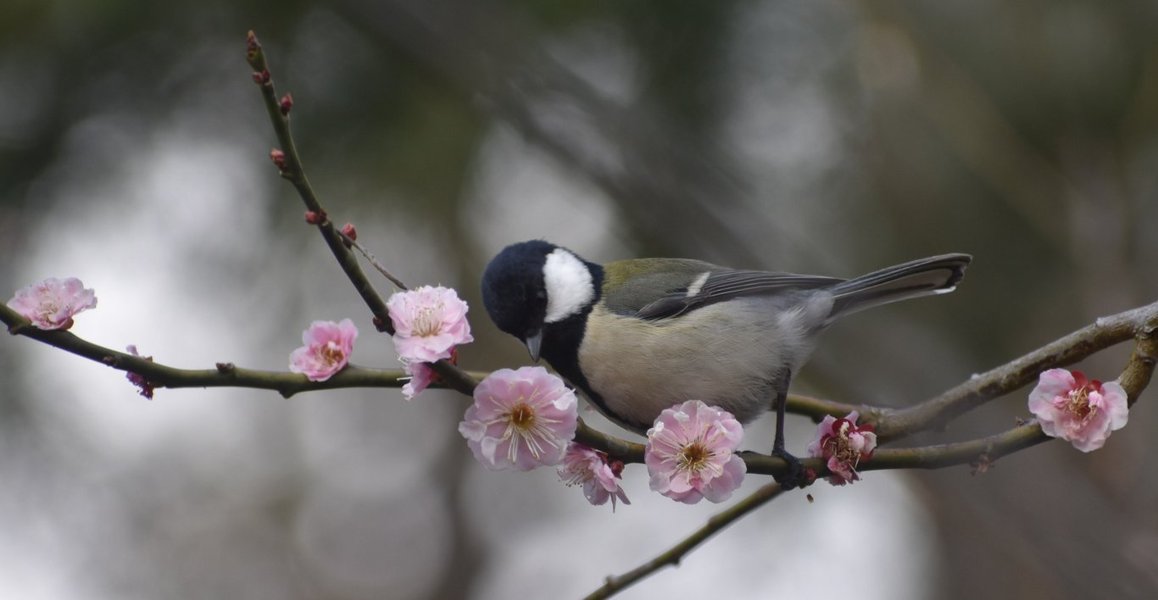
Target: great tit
x=641, y=335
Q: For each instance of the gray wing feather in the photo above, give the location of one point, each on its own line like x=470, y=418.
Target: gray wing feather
x=726, y=284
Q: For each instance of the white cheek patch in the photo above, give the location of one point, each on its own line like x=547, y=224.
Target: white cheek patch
x=569, y=286
x=698, y=284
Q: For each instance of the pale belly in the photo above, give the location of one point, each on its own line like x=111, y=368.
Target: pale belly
x=733, y=357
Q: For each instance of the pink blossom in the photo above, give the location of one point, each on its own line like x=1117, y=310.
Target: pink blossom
x=51, y=304
x=326, y=351
x=520, y=419
x=144, y=386
x=428, y=323
x=690, y=453
x=844, y=444
x=600, y=479
x=1076, y=409
x=421, y=375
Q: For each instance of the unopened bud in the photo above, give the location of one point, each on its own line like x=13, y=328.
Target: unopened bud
x=285, y=104
x=278, y=158
x=261, y=77
x=253, y=50
x=315, y=217
x=349, y=231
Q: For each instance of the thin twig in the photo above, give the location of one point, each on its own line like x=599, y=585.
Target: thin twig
x=224, y=375
x=934, y=413
x=291, y=169
x=675, y=554
x=373, y=261
x=290, y=165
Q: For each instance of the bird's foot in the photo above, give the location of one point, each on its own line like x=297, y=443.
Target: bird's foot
x=796, y=476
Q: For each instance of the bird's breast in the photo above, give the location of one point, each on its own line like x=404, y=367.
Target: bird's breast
x=730, y=355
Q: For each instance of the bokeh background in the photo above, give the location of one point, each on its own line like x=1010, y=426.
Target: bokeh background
x=824, y=136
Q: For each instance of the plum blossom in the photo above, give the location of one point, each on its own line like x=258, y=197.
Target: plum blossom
x=326, y=351
x=420, y=376
x=690, y=453
x=144, y=386
x=844, y=444
x=590, y=467
x=428, y=323
x=51, y=304
x=520, y=419
x=1076, y=409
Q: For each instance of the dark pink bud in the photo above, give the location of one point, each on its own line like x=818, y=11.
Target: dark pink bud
x=315, y=217
x=278, y=158
x=349, y=231
x=261, y=77
x=285, y=104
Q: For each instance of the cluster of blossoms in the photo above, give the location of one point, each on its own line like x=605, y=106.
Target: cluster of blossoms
x=1076, y=409
x=429, y=322
x=526, y=418
x=52, y=303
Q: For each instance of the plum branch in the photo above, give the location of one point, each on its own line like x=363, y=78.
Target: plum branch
x=892, y=425
x=289, y=165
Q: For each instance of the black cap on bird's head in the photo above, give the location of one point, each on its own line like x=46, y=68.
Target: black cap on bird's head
x=514, y=291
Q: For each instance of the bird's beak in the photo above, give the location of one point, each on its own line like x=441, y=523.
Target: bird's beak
x=533, y=343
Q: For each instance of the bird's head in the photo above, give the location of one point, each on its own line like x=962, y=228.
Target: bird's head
x=530, y=285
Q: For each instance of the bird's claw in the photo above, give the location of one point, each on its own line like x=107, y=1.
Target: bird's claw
x=795, y=476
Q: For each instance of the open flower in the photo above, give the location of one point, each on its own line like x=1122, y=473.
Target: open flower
x=326, y=351
x=520, y=419
x=428, y=323
x=51, y=304
x=1076, y=409
x=844, y=444
x=690, y=453
x=589, y=467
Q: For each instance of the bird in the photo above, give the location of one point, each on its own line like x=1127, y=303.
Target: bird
x=638, y=336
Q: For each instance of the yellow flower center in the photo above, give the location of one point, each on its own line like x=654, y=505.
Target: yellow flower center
x=694, y=457
x=527, y=429
x=522, y=417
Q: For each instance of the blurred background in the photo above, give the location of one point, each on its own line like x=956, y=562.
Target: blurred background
x=825, y=136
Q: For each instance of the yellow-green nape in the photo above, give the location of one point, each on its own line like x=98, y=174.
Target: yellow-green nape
x=617, y=273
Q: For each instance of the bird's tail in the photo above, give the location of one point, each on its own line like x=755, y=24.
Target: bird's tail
x=921, y=277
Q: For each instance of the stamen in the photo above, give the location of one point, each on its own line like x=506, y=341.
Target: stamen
x=427, y=322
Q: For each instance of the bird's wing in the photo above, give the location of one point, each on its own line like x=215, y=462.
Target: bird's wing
x=720, y=285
